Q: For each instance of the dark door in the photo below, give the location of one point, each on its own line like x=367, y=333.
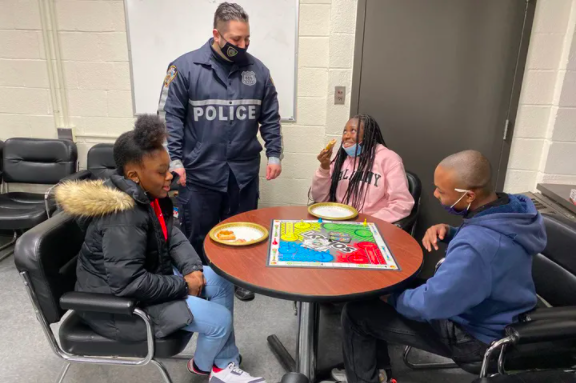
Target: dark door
x=441, y=76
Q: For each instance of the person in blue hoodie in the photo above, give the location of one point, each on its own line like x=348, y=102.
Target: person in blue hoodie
x=482, y=286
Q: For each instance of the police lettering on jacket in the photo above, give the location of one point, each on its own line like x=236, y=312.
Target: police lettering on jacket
x=224, y=110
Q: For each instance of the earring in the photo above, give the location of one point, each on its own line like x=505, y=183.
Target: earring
x=137, y=181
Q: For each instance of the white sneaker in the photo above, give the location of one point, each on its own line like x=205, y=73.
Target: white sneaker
x=233, y=374
x=339, y=375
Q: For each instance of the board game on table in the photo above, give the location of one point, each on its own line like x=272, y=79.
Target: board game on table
x=328, y=244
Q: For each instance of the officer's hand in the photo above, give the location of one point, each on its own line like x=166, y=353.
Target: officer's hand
x=433, y=234
x=182, y=173
x=273, y=171
x=324, y=158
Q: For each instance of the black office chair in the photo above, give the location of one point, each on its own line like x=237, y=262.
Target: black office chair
x=408, y=224
x=32, y=161
x=99, y=164
x=544, y=338
x=46, y=258
x=1, y=167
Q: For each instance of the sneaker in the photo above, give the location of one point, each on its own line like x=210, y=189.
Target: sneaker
x=233, y=374
x=193, y=368
x=243, y=294
x=339, y=375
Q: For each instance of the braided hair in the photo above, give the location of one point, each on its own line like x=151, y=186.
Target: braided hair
x=356, y=192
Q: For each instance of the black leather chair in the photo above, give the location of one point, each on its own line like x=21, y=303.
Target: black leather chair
x=99, y=165
x=1, y=167
x=408, y=224
x=32, y=161
x=544, y=338
x=46, y=258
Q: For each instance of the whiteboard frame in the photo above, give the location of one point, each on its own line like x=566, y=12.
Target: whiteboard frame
x=292, y=118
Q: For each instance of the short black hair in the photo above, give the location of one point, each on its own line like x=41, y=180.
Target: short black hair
x=148, y=135
x=227, y=12
x=472, y=170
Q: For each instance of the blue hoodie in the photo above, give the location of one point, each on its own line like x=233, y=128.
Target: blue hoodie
x=486, y=280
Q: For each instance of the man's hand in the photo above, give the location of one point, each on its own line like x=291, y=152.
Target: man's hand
x=324, y=158
x=182, y=173
x=196, y=283
x=273, y=171
x=433, y=234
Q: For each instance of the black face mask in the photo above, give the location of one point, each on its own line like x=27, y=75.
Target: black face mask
x=233, y=52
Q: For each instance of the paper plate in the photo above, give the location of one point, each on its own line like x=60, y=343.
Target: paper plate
x=332, y=211
x=250, y=232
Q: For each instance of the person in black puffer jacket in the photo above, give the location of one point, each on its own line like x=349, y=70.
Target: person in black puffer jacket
x=133, y=249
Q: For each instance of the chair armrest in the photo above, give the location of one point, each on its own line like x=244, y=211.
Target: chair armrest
x=78, y=176
x=103, y=303
x=549, y=313
x=405, y=222
x=542, y=331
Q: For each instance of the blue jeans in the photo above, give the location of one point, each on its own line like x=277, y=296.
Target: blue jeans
x=214, y=322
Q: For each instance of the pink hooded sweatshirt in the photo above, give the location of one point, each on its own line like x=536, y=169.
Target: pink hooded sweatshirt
x=387, y=195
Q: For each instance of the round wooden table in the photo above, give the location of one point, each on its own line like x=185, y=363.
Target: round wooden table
x=247, y=267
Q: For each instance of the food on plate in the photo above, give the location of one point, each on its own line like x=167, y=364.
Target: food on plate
x=226, y=235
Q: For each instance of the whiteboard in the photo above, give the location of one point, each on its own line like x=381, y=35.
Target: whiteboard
x=160, y=31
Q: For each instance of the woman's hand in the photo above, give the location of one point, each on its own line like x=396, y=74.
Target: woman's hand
x=324, y=158
x=196, y=283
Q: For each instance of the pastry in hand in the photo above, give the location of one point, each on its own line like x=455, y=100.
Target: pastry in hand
x=330, y=145
x=226, y=235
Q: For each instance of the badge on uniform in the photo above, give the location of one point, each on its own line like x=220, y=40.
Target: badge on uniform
x=172, y=71
x=248, y=78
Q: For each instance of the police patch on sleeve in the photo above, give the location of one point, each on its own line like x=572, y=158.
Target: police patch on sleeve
x=170, y=75
x=248, y=78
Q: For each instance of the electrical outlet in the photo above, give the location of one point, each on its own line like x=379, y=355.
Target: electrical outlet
x=65, y=134
x=339, y=95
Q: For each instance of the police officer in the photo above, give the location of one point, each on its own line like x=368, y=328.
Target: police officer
x=214, y=99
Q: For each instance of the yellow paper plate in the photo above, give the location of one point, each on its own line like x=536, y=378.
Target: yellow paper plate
x=251, y=232
x=332, y=211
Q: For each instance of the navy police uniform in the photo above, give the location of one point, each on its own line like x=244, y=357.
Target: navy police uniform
x=213, y=110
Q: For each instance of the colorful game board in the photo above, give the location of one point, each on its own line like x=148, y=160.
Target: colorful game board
x=351, y=245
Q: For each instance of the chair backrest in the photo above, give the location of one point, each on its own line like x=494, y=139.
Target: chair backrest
x=101, y=161
x=48, y=253
x=415, y=188
x=1, y=157
x=554, y=270
x=38, y=161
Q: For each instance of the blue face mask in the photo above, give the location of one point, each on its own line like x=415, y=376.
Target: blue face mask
x=450, y=209
x=351, y=151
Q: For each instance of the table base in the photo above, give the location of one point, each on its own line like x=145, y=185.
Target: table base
x=307, y=346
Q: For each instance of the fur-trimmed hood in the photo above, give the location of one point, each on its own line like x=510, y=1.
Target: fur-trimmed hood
x=93, y=198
